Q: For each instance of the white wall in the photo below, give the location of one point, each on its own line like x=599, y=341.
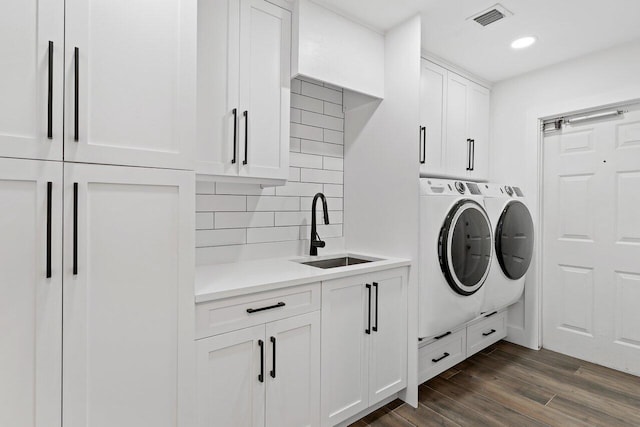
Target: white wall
x=333, y=49
x=598, y=79
x=381, y=177
x=244, y=221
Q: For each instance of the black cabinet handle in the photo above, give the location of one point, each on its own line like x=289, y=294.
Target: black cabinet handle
x=255, y=310
x=443, y=335
x=473, y=154
x=468, y=154
x=50, y=94
x=273, y=366
x=49, y=191
x=76, y=55
x=486, y=334
x=375, y=286
x=261, y=375
x=444, y=356
x=246, y=135
x=423, y=138
x=368, y=330
x=235, y=134
x=491, y=314
x=75, y=228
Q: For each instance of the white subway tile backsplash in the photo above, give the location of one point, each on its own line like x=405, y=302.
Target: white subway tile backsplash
x=320, y=148
x=216, y=203
x=243, y=219
x=272, y=234
x=231, y=215
x=273, y=203
x=321, y=176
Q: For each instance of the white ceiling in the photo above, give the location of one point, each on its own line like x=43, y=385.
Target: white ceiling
x=565, y=29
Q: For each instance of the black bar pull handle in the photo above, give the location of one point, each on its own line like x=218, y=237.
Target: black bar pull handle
x=273, y=366
x=473, y=154
x=423, y=141
x=375, y=286
x=439, y=337
x=468, y=154
x=75, y=228
x=368, y=330
x=444, y=356
x=50, y=94
x=49, y=191
x=76, y=95
x=491, y=314
x=235, y=134
x=255, y=310
x=246, y=135
x=261, y=375
x=486, y=334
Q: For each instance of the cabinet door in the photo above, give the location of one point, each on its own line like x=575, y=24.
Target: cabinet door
x=265, y=84
x=479, y=105
x=30, y=302
x=433, y=90
x=293, y=367
x=458, y=145
x=218, y=80
x=345, y=351
x=230, y=391
x=128, y=297
x=130, y=92
x=388, y=367
x=31, y=45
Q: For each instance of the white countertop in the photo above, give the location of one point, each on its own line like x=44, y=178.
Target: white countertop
x=240, y=278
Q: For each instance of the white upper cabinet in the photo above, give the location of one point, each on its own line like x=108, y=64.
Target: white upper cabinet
x=244, y=78
x=31, y=76
x=130, y=71
x=454, y=125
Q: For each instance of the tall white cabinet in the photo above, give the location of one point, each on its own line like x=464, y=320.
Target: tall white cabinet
x=454, y=129
x=244, y=79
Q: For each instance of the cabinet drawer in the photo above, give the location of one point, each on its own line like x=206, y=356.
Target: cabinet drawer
x=230, y=314
x=486, y=332
x=438, y=356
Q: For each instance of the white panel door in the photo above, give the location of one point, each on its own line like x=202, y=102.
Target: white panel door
x=293, y=372
x=458, y=145
x=478, y=117
x=30, y=302
x=265, y=86
x=132, y=83
x=128, y=297
x=345, y=349
x=433, y=93
x=31, y=48
x=231, y=379
x=591, y=276
x=218, y=85
x=388, y=354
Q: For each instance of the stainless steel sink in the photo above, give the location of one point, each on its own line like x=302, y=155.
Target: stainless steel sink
x=342, y=261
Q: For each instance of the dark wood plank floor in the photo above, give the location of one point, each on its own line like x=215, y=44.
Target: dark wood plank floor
x=509, y=385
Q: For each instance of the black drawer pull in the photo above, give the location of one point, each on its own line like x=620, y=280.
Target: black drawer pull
x=375, y=286
x=49, y=193
x=443, y=335
x=491, y=314
x=246, y=137
x=75, y=228
x=273, y=370
x=235, y=133
x=444, y=356
x=50, y=94
x=255, y=310
x=368, y=330
x=76, y=95
x=486, y=334
x=261, y=376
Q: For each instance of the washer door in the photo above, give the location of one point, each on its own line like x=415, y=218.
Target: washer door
x=514, y=240
x=464, y=247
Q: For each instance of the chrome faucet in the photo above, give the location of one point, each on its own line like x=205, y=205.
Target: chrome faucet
x=315, y=239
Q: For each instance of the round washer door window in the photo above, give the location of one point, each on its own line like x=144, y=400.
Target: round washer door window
x=464, y=247
x=514, y=240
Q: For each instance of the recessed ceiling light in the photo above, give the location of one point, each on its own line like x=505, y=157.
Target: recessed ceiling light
x=523, y=42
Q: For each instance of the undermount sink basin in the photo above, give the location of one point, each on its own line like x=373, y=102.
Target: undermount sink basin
x=342, y=261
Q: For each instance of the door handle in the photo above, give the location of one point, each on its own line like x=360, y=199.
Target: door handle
x=261, y=375
x=75, y=228
x=375, y=286
x=76, y=96
x=50, y=94
x=235, y=134
x=49, y=191
x=273, y=365
x=473, y=154
x=368, y=330
x=423, y=138
x=468, y=154
x=246, y=136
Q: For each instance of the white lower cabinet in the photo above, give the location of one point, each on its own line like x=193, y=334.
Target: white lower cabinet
x=264, y=375
x=364, y=342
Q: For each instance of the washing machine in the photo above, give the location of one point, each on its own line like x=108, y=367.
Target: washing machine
x=455, y=254
x=513, y=244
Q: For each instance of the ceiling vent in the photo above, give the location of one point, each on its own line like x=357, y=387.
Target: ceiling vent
x=489, y=16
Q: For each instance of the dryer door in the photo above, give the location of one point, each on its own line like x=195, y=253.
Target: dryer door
x=514, y=240
x=464, y=247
